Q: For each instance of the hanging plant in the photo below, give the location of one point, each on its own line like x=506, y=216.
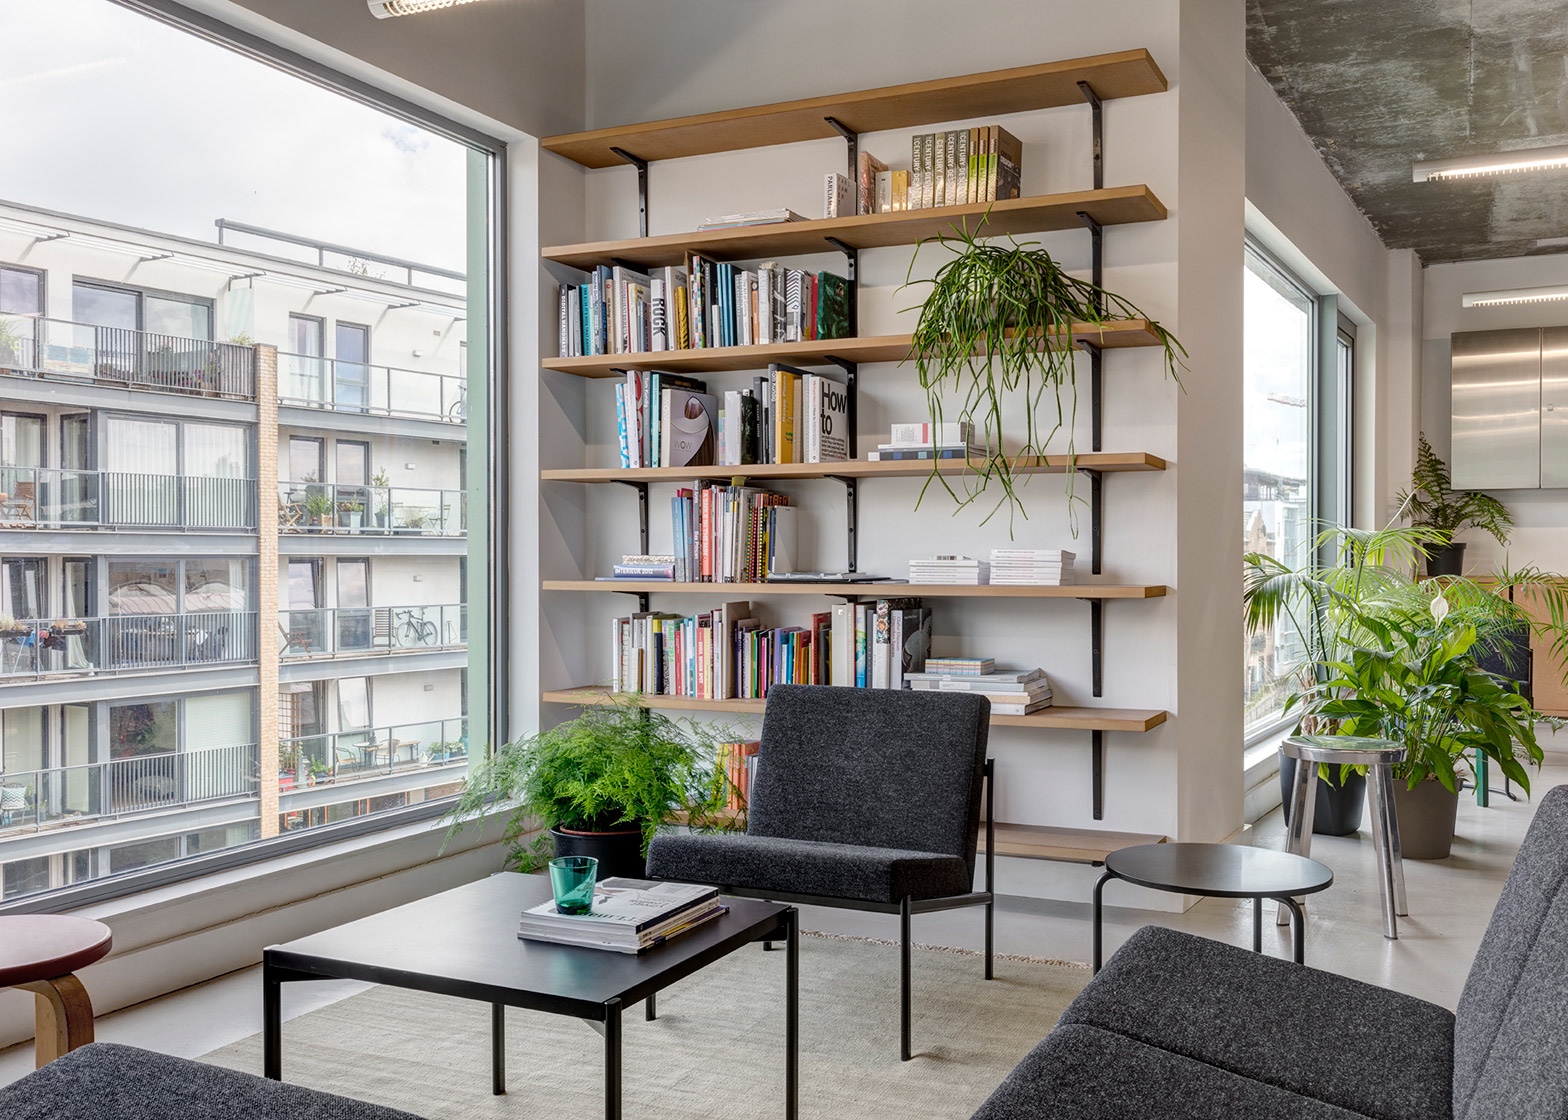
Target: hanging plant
x=998, y=322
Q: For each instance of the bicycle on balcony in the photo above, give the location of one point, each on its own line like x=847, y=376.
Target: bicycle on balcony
x=412, y=629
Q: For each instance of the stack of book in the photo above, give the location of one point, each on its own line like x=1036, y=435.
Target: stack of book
x=1012, y=692
x=628, y=916
x=666, y=420
x=1031, y=566
x=962, y=166
x=951, y=440
x=644, y=566
x=947, y=569
x=731, y=534
x=751, y=218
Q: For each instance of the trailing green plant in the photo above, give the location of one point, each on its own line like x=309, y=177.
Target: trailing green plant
x=996, y=330
x=1432, y=501
x=616, y=764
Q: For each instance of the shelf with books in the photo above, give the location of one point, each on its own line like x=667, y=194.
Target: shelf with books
x=1118, y=334
x=1110, y=462
x=1090, y=591
x=1038, y=214
x=1018, y=89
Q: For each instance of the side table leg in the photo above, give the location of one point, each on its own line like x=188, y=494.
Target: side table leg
x=62, y=1017
x=612, y=1060
x=1099, y=908
x=497, y=1049
x=1299, y=920
x=792, y=1017
x=1396, y=854
x=271, y=1022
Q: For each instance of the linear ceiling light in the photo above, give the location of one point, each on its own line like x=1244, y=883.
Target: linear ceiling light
x=1508, y=296
x=1492, y=163
x=381, y=9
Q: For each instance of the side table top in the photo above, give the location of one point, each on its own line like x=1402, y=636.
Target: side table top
x=1219, y=870
x=42, y=946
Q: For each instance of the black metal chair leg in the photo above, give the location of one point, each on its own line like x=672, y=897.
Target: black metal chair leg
x=903, y=982
x=990, y=908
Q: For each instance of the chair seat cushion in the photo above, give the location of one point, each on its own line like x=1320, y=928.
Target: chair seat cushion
x=107, y=1080
x=1084, y=1073
x=774, y=863
x=1362, y=1048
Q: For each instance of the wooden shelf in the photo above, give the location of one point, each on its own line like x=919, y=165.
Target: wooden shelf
x=1057, y=719
x=1037, y=214
x=1109, y=462
x=1016, y=90
x=1119, y=334
x=866, y=590
x=1069, y=845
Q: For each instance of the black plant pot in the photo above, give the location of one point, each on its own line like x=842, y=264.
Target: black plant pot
x=1448, y=561
x=1338, y=811
x=619, y=852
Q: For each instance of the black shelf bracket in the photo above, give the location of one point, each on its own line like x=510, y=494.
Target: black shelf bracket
x=642, y=529
x=852, y=515
x=1095, y=116
x=851, y=266
x=1097, y=772
x=853, y=140
x=1097, y=645
x=642, y=185
x=1096, y=516
x=1096, y=385
x=1096, y=257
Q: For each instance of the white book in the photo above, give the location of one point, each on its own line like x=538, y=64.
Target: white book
x=842, y=659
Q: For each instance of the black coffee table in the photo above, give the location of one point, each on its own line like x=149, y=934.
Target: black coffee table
x=1218, y=871
x=464, y=943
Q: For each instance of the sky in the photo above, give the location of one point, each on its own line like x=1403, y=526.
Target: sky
x=1277, y=358
x=109, y=114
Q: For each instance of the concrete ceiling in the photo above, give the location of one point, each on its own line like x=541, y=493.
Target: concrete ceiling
x=1379, y=84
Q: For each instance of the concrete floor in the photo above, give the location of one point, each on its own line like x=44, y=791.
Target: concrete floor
x=1450, y=904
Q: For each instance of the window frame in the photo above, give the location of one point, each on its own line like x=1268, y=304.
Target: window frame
x=141, y=294
x=42, y=277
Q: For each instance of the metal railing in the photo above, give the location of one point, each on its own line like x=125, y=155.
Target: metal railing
x=346, y=756
x=140, y=359
x=35, y=799
x=324, y=507
x=125, y=643
x=344, y=386
x=335, y=631
x=52, y=498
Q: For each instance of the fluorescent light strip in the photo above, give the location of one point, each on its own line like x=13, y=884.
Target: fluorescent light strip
x=1492, y=163
x=382, y=9
x=1508, y=296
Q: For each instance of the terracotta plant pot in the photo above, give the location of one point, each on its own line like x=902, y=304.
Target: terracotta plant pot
x=619, y=852
x=1426, y=818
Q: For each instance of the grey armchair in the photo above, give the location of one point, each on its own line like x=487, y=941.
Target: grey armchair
x=864, y=798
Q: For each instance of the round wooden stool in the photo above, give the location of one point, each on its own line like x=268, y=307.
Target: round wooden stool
x=40, y=953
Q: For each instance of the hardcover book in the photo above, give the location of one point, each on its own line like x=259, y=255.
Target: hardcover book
x=689, y=423
x=832, y=306
x=870, y=168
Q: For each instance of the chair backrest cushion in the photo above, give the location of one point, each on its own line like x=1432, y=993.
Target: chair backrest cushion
x=1511, y=1029
x=878, y=767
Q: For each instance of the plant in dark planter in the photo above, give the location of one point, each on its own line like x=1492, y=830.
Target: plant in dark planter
x=1433, y=503
x=1341, y=795
x=600, y=785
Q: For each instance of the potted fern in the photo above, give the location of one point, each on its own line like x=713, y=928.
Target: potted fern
x=1433, y=503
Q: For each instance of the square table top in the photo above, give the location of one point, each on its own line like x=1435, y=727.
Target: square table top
x=463, y=942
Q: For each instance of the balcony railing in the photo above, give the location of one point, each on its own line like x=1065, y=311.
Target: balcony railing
x=323, y=507
x=140, y=359
x=347, y=756
x=340, y=631
x=344, y=386
x=50, y=498
x=36, y=799
x=125, y=643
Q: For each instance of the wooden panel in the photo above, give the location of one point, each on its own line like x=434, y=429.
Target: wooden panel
x=1037, y=214
x=1547, y=669
x=1051, y=719
x=1110, y=462
x=1119, y=334
x=1016, y=90
x=865, y=590
x=1071, y=845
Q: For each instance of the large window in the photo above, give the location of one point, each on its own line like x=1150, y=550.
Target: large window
x=287, y=293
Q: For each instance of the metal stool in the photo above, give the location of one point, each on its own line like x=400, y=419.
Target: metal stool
x=1378, y=756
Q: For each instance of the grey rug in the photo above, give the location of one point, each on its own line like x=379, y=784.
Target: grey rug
x=715, y=1051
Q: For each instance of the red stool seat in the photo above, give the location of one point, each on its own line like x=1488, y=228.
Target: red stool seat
x=42, y=946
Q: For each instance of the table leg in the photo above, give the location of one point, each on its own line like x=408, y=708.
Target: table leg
x=1299, y=921
x=651, y=1009
x=1098, y=915
x=1257, y=924
x=1396, y=855
x=271, y=1022
x=497, y=1049
x=612, y=1059
x=792, y=1015
x=1379, y=789
x=1303, y=807
x=62, y=1017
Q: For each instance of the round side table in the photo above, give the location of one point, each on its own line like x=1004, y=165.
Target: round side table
x=1217, y=871
x=40, y=953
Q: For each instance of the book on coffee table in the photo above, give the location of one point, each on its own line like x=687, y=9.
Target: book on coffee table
x=628, y=916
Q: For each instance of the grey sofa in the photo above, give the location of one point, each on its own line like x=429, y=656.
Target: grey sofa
x=864, y=798
x=105, y=1081
x=1178, y=1026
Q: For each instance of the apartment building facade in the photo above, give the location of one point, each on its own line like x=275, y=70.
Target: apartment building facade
x=233, y=541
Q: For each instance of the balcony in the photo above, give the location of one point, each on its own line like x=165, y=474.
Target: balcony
x=334, y=385
x=34, y=800
x=38, y=649
x=344, y=757
x=320, y=507
x=347, y=631
x=62, y=350
x=49, y=498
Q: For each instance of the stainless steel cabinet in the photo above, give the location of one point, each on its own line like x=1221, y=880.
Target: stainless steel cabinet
x=1554, y=406
x=1496, y=394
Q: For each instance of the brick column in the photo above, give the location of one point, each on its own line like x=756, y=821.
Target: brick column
x=267, y=580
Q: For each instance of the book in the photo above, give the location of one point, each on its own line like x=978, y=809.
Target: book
x=938, y=169
x=832, y=313
x=628, y=915
x=869, y=168
x=831, y=422
x=883, y=646
x=688, y=422
x=900, y=189
x=838, y=196
x=960, y=666
x=952, y=171
x=1008, y=159
x=911, y=642
x=786, y=382
x=950, y=432
x=882, y=203
x=910, y=454
x=928, y=170
x=916, y=184
x=751, y=218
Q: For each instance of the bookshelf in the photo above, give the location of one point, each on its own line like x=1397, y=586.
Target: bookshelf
x=1083, y=81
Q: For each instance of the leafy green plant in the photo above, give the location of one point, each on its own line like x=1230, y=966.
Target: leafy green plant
x=318, y=505
x=1431, y=501
x=615, y=765
x=995, y=332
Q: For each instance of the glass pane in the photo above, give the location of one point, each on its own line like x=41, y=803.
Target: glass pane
x=104, y=307
x=135, y=446
x=304, y=584
x=304, y=459
x=352, y=374
x=353, y=583
x=141, y=729
x=75, y=442
x=305, y=336
x=143, y=587
x=22, y=589
x=182, y=318
x=21, y=292
x=216, y=450
x=219, y=719
x=353, y=463
x=21, y=443
x=21, y=742
x=217, y=585
x=353, y=703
